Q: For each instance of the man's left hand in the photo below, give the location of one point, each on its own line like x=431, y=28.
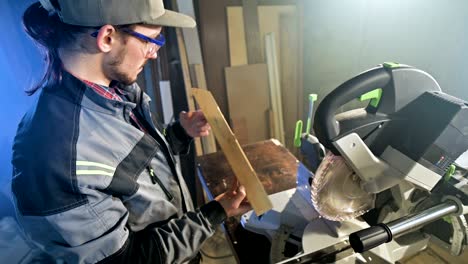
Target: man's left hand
x=194, y=123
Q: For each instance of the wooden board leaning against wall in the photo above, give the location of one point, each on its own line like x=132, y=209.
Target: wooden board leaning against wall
x=283, y=20
x=248, y=100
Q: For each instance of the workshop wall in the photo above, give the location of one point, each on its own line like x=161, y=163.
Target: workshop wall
x=344, y=38
x=19, y=69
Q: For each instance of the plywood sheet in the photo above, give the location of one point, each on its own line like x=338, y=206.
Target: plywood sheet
x=248, y=100
x=269, y=21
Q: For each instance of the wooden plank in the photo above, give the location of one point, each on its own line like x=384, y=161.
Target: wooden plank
x=269, y=21
x=301, y=99
x=289, y=76
x=252, y=33
x=185, y=66
x=199, y=81
x=236, y=33
x=286, y=32
x=275, y=85
x=214, y=38
x=194, y=58
x=187, y=83
x=244, y=172
x=248, y=83
x=199, y=71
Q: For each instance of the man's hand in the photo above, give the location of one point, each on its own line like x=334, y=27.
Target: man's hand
x=234, y=202
x=194, y=123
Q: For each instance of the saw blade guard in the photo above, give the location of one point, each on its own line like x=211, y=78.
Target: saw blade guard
x=390, y=87
x=336, y=191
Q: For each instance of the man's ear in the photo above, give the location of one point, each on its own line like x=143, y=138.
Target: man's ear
x=106, y=38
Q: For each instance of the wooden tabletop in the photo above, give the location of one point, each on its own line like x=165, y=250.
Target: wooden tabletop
x=276, y=168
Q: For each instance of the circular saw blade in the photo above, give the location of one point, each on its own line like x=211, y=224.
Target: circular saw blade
x=336, y=191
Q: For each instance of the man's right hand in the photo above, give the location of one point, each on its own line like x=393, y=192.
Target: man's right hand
x=233, y=201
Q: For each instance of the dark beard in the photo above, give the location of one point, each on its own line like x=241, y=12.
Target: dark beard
x=118, y=75
x=123, y=78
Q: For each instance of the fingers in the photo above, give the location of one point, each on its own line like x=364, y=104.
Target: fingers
x=243, y=208
x=234, y=186
x=204, y=134
x=202, y=123
x=233, y=201
x=183, y=115
x=194, y=123
x=239, y=196
x=199, y=116
x=204, y=130
x=186, y=115
x=203, y=126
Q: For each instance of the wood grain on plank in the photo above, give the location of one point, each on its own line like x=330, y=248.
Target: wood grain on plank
x=244, y=172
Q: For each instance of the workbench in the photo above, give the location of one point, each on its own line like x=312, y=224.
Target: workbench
x=276, y=169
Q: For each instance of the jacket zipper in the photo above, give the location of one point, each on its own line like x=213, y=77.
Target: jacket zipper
x=156, y=180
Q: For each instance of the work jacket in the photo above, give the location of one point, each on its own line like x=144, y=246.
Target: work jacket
x=89, y=186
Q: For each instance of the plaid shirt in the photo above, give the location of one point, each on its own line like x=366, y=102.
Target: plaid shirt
x=111, y=93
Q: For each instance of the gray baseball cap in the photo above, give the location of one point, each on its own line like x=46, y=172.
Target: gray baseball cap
x=95, y=13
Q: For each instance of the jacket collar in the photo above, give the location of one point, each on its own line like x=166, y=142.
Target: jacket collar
x=75, y=90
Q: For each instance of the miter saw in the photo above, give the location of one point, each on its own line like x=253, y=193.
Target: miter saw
x=394, y=176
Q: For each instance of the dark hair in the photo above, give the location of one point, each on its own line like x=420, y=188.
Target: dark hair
x=50, y=33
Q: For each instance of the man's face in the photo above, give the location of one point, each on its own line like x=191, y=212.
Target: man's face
x=126, y=61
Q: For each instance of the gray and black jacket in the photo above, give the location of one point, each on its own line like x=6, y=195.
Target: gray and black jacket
x=82, y=183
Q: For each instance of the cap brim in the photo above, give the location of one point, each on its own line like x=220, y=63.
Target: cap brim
x=173, y=19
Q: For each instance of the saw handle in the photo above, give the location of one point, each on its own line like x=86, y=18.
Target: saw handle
x=374, y=236
x=326, y=127
x=370, y=238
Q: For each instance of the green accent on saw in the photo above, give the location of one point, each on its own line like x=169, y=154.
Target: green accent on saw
x=447, y=219
x=297, y=134
x=313, y=97
x=374, y=96
x=309, y=123
x=391, y=65
x=450, y=171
